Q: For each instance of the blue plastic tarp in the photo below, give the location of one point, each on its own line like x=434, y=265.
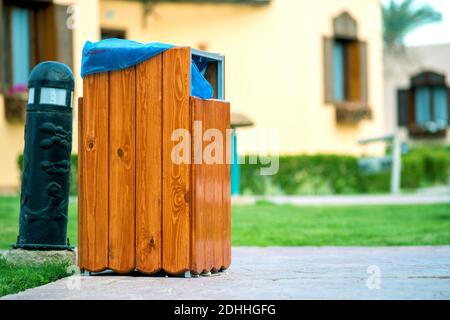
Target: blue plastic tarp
x=117, y=54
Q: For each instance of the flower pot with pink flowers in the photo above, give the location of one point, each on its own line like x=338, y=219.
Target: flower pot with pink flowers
x=16, y=99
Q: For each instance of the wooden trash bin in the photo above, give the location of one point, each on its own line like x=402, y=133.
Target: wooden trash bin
x=137, y=209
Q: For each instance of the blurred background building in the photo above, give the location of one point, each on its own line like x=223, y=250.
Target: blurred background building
x=416, y=72
x=416, y=94
x=312, y=70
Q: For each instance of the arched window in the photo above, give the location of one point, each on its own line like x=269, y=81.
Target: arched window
x=345, y=69
x=424, y=107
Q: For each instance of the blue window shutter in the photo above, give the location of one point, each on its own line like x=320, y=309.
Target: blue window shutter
x=441, y=105
x=20, y=39
x=339, y=71
x=423, y=108
x=403, y=105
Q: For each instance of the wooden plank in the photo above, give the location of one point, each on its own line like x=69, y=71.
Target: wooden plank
x=176, y=177
x=211, y=193
x=217, y=205
x=81, y=231
x=217, y=212
x=195, y=259
x=198, y=212
x=226, y=187
x=148, y=165
x=94, y=171
x=122, y=170
x=208, y=218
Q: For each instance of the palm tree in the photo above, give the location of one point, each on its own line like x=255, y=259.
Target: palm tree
x=403, y=17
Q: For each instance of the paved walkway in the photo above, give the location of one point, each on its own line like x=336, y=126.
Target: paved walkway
x=282, y=273
x=407, y=199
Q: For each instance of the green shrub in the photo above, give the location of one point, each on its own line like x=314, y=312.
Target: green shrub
x=73, y=172
x=435, y=163
x=318, y=174
x=412, y=171
x=425, y=166
x=330, y=174
x=333, y=174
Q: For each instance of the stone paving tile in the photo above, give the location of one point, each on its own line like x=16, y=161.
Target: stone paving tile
x=280, y=273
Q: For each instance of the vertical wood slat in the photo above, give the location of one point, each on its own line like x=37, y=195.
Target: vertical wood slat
x=217, y=195
x=176, y=177
x=196, y=187
x=198, y=204
x=208, y=198
x=226, y=187
x=148, y=164
x=81, y=231
x=122, y=170
x=211, y=194
x=94, y=171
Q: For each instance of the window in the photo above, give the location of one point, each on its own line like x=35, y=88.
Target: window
x=113, y=33
x=339, y=71
x=31, y=32
x=346, y=70
x=20, y=50
x=424, y=107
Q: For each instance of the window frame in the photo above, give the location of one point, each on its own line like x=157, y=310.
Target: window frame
x=407, y=104
x=6, y=8
x=348, y=69
x=122, y=33
x=355, y=106
x=52, y=49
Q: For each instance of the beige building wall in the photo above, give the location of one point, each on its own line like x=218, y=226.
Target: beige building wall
x=11, y=135
x=274, y=65
x=274, y=61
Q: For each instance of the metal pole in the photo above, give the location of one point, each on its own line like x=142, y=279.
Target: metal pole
x=235, y=169
x=396, y=164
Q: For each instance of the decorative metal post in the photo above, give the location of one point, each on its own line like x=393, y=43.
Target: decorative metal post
x=48, y=144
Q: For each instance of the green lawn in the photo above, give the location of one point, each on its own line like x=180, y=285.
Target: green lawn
x=14, y=279
x=9, y=221
x=18, y=278
x=270, y=225
x=265, y=224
